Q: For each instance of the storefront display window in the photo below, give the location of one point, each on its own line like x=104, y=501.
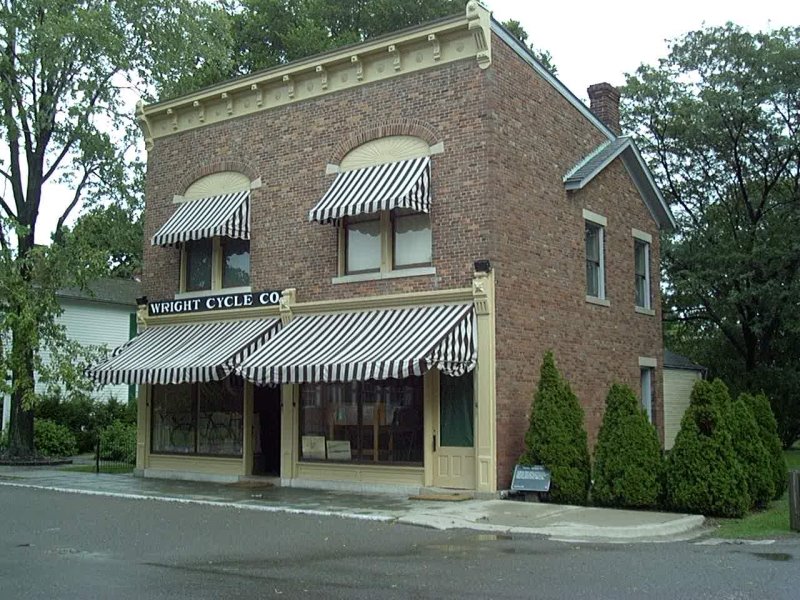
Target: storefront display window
x=203, y=418
x=366, y=421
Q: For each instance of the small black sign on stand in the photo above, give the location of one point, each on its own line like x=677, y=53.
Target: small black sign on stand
x=530, y=481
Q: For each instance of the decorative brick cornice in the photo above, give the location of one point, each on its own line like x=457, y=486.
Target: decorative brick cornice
x=408, y=51
x=412, y=127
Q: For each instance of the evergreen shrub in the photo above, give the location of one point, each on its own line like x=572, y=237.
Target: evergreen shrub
x=118, y=442
x=556, y=437
x=768, y=432
x=703, y=471
x=52, y=439
x=752, y=454
x=628, y=465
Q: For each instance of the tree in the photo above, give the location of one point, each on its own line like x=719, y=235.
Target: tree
x=703, y=471
x=543, y=56
x=556, y=437
x=628, y=466
x=64, y=69
x=272, y=32
x=768, y=432
x=751, y=453
x=719, y=120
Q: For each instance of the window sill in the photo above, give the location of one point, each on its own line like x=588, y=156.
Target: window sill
x=415, y=272
x=598, y=301
x=217, y=292
x=645, y=311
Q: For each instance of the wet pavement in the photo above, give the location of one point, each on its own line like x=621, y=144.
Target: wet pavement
x=490, y=516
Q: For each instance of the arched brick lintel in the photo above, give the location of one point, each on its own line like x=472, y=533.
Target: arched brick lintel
x=217, y=166
x=413, y=127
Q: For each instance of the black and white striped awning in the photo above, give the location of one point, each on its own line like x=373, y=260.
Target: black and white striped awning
x=402, y=184
x=191, y=353
x=380, y=344
x=226, y=215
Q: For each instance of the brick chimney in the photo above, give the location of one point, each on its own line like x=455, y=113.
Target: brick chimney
x=604, y=103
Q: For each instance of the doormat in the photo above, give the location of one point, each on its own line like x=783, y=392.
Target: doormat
x=247, y=484
x=441, y=497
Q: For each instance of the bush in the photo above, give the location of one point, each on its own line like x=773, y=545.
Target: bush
x=768, y=432
x=703, y=472
x=118, y=442
x=628, y=466
x=556, y=437
x=752, y=455
x=52, y=439
x=85, y=417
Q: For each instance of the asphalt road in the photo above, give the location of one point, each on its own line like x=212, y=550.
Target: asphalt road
x=57, y=545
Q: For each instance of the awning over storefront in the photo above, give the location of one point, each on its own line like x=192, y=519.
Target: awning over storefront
x=379, y=344
x=191, y=353
x=225, y=215
x=402, y=184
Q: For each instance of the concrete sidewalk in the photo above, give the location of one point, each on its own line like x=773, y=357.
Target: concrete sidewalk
x=572, y=523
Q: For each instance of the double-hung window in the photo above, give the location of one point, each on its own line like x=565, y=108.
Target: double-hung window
x=387, y=241
x=647, y=377
x=594, y=238
x=641, y=270
x=214, y=264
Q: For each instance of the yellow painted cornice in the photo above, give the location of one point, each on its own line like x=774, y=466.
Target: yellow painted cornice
x=415, y=49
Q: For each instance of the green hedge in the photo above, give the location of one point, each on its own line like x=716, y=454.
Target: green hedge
x=53, y=440
x=768, y=433
x=118, y=442
x=556, y=437
x=703, y=472
x=84, y=417
x=751, y=453
x=628, y=465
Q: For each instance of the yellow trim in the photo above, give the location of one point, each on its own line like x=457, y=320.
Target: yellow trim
x=415, y=49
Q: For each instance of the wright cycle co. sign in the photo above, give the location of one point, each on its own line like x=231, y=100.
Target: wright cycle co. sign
x=213, y=303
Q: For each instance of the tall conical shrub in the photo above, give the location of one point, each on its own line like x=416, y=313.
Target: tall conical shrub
x=556, y=437
x=703, y=472
x=751, y=452
x=628, y=465
x=768, y=432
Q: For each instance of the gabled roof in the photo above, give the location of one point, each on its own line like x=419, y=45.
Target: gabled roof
x=625, y=148
x=673, y=360
x=110, y=290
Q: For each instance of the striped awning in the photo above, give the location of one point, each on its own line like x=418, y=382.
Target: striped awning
x=402, y=184
x=190, y=353
x=225, y=215
x=379, y=344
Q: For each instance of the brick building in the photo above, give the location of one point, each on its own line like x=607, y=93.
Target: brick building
x=359, y=259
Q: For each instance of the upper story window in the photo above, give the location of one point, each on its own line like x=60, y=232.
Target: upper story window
x=641, y=269
x=594, y=238
x=381, y=200
x=211, y=226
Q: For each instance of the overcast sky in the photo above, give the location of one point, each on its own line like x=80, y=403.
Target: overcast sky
x=597, y=41
x=601, y=41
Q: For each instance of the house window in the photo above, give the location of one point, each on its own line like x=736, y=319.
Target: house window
x=235, y=263
x=363, y=421
x=647, y=377
x=595, y=263
x=199, y=265
x=389, y=241
x=641, y=260
x=215, y=263
x=202, y=418
x=363, y=243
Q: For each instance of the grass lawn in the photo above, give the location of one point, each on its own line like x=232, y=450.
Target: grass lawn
x=103, y=468
x=771, y=522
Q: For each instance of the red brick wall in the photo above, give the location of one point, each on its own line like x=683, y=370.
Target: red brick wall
x=538, y=254
x=289, y=148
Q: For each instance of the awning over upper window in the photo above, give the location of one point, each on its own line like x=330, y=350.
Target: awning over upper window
x=402, y=184
x=190, y=353
x=379, y=344
x=225, y=215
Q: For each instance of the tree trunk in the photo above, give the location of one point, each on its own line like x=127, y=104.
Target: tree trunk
x=21, y=425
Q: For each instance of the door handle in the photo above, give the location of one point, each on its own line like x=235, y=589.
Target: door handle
x=434, y=442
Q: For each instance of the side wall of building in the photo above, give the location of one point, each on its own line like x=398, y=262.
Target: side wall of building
x=539, y=256
x=678, y=384
x=289, y=148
